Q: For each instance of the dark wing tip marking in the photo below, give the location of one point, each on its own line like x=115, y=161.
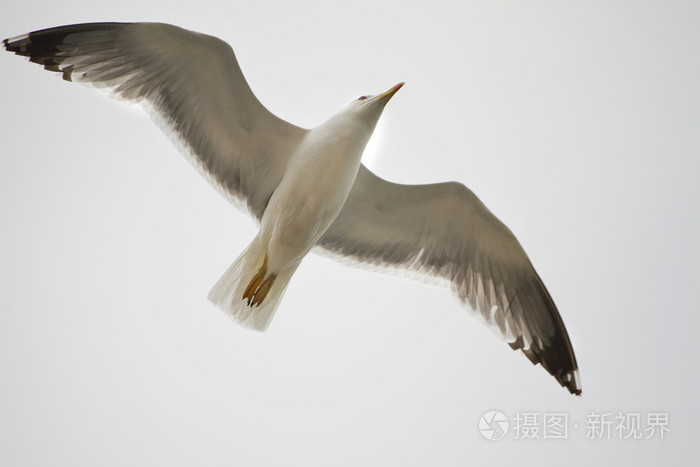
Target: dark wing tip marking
x=43, y=46
x=555, y=354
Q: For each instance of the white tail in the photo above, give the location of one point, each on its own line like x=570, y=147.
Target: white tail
x=228, y=292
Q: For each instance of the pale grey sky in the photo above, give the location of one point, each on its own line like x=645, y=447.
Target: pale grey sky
x=575, y=122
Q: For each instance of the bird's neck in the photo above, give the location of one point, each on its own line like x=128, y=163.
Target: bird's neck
x=342, y=135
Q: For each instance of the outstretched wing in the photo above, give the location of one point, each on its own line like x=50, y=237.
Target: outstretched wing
x=194, y=83
x=444, y=230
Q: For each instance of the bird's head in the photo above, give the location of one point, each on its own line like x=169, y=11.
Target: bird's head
x=356, y=122
x=368, y=109
x=378, y=101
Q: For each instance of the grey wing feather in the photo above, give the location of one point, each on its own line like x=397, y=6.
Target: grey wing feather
x=193, y=81
x=444, y=230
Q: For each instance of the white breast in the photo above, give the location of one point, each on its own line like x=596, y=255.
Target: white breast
x=313, y=190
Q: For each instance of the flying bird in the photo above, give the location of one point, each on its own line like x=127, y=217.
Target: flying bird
x=308, y=188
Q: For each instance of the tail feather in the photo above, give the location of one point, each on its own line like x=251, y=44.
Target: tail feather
x=229, y=293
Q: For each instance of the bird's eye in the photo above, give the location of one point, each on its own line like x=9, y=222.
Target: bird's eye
x=361, y=98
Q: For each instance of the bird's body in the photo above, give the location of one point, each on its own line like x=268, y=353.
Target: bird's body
x=319, y=176
x=308, y=188
x=318, y=179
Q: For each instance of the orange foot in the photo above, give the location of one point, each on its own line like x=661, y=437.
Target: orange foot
x=259, y=286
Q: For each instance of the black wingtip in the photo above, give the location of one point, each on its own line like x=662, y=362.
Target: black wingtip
x=571, y=381
x=44, y=47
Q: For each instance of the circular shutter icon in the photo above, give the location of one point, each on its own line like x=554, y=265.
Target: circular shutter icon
x=493, y=425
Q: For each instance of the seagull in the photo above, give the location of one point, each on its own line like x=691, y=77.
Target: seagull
x=308, y=188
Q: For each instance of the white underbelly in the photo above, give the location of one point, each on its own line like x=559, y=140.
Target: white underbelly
x=302, y=208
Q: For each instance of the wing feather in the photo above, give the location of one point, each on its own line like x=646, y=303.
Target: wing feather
x=194, y=83
x=444, y=230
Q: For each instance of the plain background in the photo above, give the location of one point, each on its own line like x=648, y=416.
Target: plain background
x=575, y=122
